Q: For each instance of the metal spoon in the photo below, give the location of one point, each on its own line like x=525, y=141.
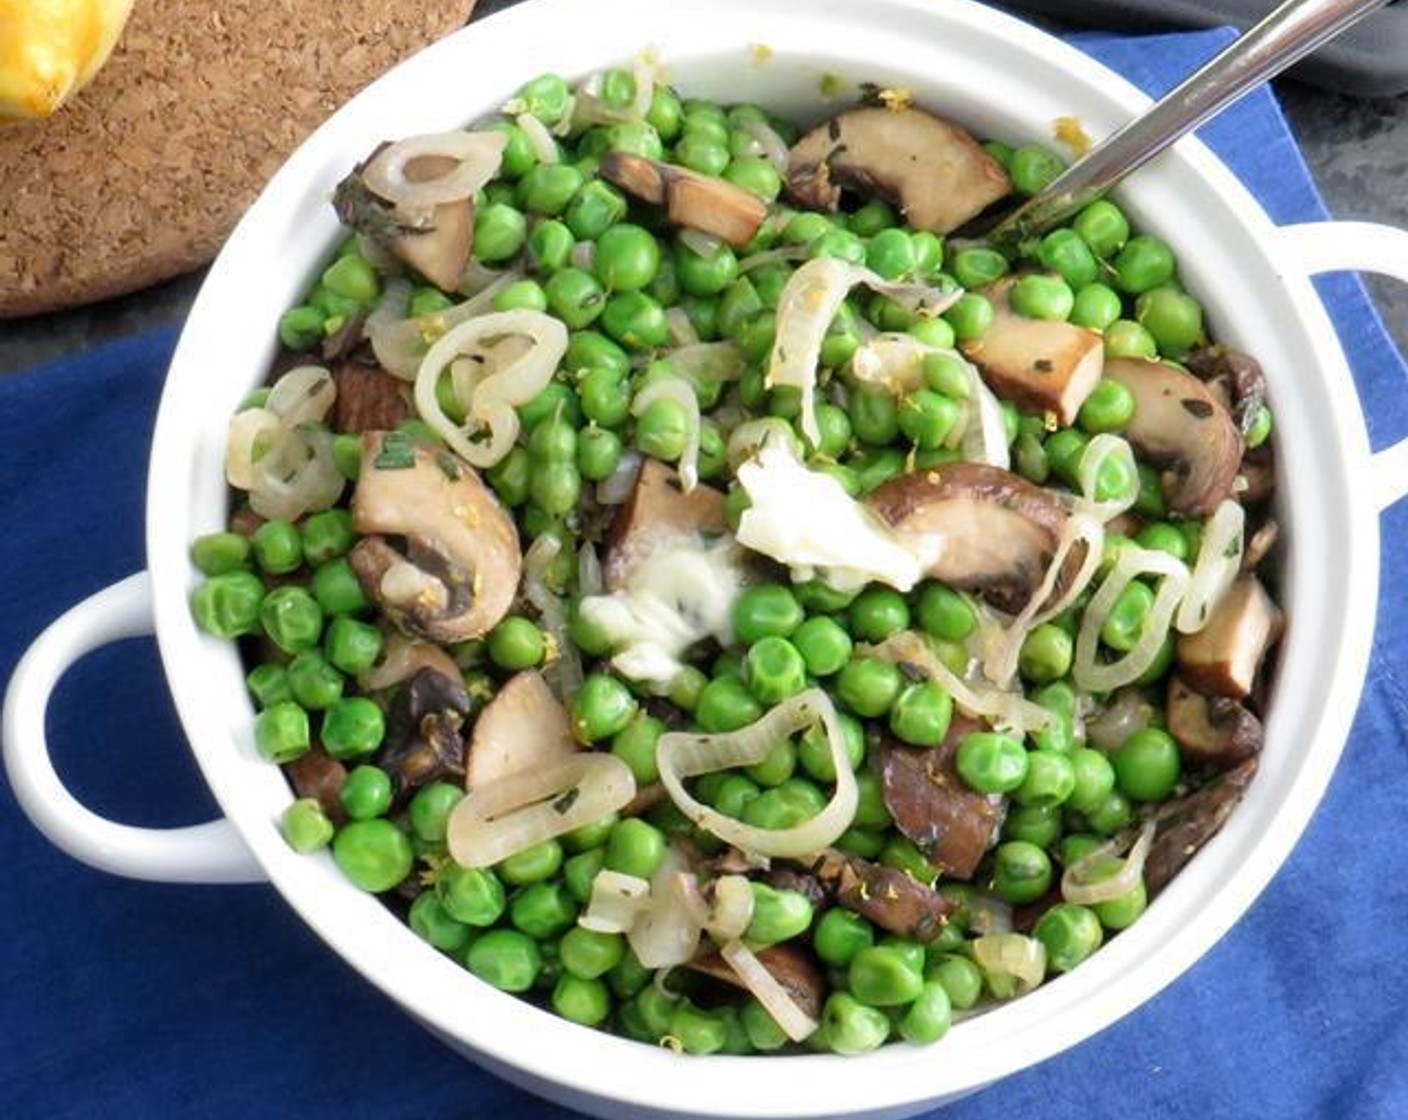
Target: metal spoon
x=1286, y=35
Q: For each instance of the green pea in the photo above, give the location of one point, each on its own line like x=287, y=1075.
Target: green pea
x=662, y=430
x=929, y=1016
x=927, y=418
x=961, y=979
x=867, y=843
x=1064, y=252
x=606, y=398
x=305, y=826
x=1096, y=306
x=291, y=617
x=928, y=253
x=1094, y=779
x=777, y=765
x=353, y=727
x=774, y=669
x=499, y=232
x=547, y=97
x=635, y=744
x=338, y=308
x=702, y=153
x=635, y=848
x=516, y=643
x=1174, y=318
x=268, y=684
x=839, y=935
x=970, y=316
x=532, y=865
x=555, y=487
x=549, y=246
x=472, y=895
x=765, y=610
x=841, y=244
x=696, y=1030
x=1103, y=226
x=1037, y=296
x=1034, y=168
x=1070, y=934
x=805, y=226
x=705, y=276
x=428, y=300
x=314, y=682
x=546, y=190
x=874, y=415
x=977, y=267
x=1125, y=338
x=430, y=921
x=755, y=175
x=814, y=751
x=214, y=554
x=1021, y=872
x=636, y=320
x=1125, y=622
x=601, y=708
x=1147, y=765
x=945, y=613
x=726, y=704
x=336, y=591
x=877, y=612
x=1108, y=408
x=575, y=297
x=890, y=254
x=375, y=855
x=881, y=976
x=599, y=452
x=1260, y=430
x=594, y=209
x=505, y=958
x=848, y=1026
x=365, y=793
x=429, y=811
x=1036, y=824
x=903, y=854
x=1046, y=654
x=353, y=278
x=543, y=910
x=824, y=645
x=778, y=915
x=229, y=604
x=347, y=455
x=921, y=714
x=873, y=217
x=301, y=327
x=1163, y=537
x=323, y=537
x=1112, y=813
x=990, y=762
x=627, y=258
x=1143, y=264
x=1050, y=779
x=937, y=332
x=1122, y=911
x=869, y=686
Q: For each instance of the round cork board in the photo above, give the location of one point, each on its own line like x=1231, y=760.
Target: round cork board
x=144, y=173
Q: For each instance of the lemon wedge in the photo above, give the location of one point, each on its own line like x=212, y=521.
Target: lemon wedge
x=50, y=50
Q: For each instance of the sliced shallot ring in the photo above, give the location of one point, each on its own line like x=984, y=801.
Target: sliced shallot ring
x=665, y=934
x=1077, y=889
x=1216, y=568
x=617, y=900
x=1089, y=673
x=764, y=986
x=679, y=390
x=477, y=157
x=1013, y=955
x=1101, y=447
x=683, y=755
x=508, y=816
x=539, y=138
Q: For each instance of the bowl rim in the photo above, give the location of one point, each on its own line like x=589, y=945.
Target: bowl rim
x=561, y=1056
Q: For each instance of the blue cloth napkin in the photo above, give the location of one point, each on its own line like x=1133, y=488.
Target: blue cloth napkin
x=121, y=999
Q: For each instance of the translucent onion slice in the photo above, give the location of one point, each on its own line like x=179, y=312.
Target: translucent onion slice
x=564, y=672
x=588, y=570
x=679, y=390
x=1089, y=673
x=1014, y=964
x=773, y=147
x=746, y=440
x=402, y=658
x=732, y=909
x=985, y=441
x=616, y=487
x=502, y=818
x=391, y=307
x=999, y=707
x=683, y=755
x=781, y=255
x=810, y=299
x=539, y=138
x=893, y=361
x=400, y=345
x=588, y=108
x=764, y=986
x=303, y=395
x=1078, y=887
x=682, y=332
x=477, y=157
x=1127, y=713
x=250, y=434
x=665, y=934
x=497, y=388
x=616, y=902
x=1219, y=560
x=705, y=364
x=699, y=243
x=1102, y=447
x=296, y=475
x=1000, y=660
x=989, y=915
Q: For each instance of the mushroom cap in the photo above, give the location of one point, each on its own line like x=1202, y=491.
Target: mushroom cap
x=935, y=171
x=701, y=202
x=523, y=727
x=658, y=510
x=800, y=974
x=892, y=899
x=976, y=527
x=1183, y=426
x=1223, y=658
x=1216, y=730
x=459, y=573
x=1185, y=825
x=1039, y=365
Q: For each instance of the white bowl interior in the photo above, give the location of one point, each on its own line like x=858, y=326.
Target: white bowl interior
x=1002, y=79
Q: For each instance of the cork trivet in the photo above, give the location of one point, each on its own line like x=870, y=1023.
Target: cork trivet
x=142, y=176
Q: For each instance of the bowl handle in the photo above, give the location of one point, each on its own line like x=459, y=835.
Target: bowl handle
x=1358, y=247
x=206, y=853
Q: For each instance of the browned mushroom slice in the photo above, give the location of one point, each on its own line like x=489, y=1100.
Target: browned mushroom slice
x=1237, y=375
x=459, y=572
x=423, y=741
x=952, y=825
x=523, y=727
x=1223, y=657
x=1216, y=730
x=1182, y=426
x=698, y=201
x=791, y=966
x=320, y=776
x=891, y=899
x=936, y=173
x=1187, y=824
x=658, y=509
x=368, y=399
x=1256, y=478
x=976, y=527
x=1259, y=545
x=1039, y=365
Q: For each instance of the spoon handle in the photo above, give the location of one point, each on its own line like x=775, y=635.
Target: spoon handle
x=1287, y=34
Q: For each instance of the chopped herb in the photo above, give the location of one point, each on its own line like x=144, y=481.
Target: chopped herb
x=397, y=453
x=832, y=85
x=446, y=462
x=566, y=801
x=1043, y=365
x=1234, y=548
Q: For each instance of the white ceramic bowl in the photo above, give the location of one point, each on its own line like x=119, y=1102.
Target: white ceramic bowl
x=1001, y=78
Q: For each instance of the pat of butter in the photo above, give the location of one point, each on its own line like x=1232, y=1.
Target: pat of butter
x=806, y=520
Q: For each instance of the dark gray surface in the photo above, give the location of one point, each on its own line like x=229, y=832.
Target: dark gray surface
x=1357, y=151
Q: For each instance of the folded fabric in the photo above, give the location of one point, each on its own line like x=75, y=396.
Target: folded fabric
x=124, y=999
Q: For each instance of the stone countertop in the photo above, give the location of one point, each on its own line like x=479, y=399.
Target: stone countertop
x=1357, y=151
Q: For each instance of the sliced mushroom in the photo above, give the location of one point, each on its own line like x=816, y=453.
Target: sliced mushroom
x=700, y=202
x=523, y=727
x=1215, y=730
x=891, y=899
x=799, y=973
x=936, y=173
x=658, y=509
x=1260, y=544
x=1183, y=426
x=1185, y=825
x=1222, y=659
x=368, y=399
x=1238, y=375
x=320, y=776
x=459, y=571
x=1039, y=365
x=976, y=527
x=1256, y=478
x=423, y=741
x=952, y=825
